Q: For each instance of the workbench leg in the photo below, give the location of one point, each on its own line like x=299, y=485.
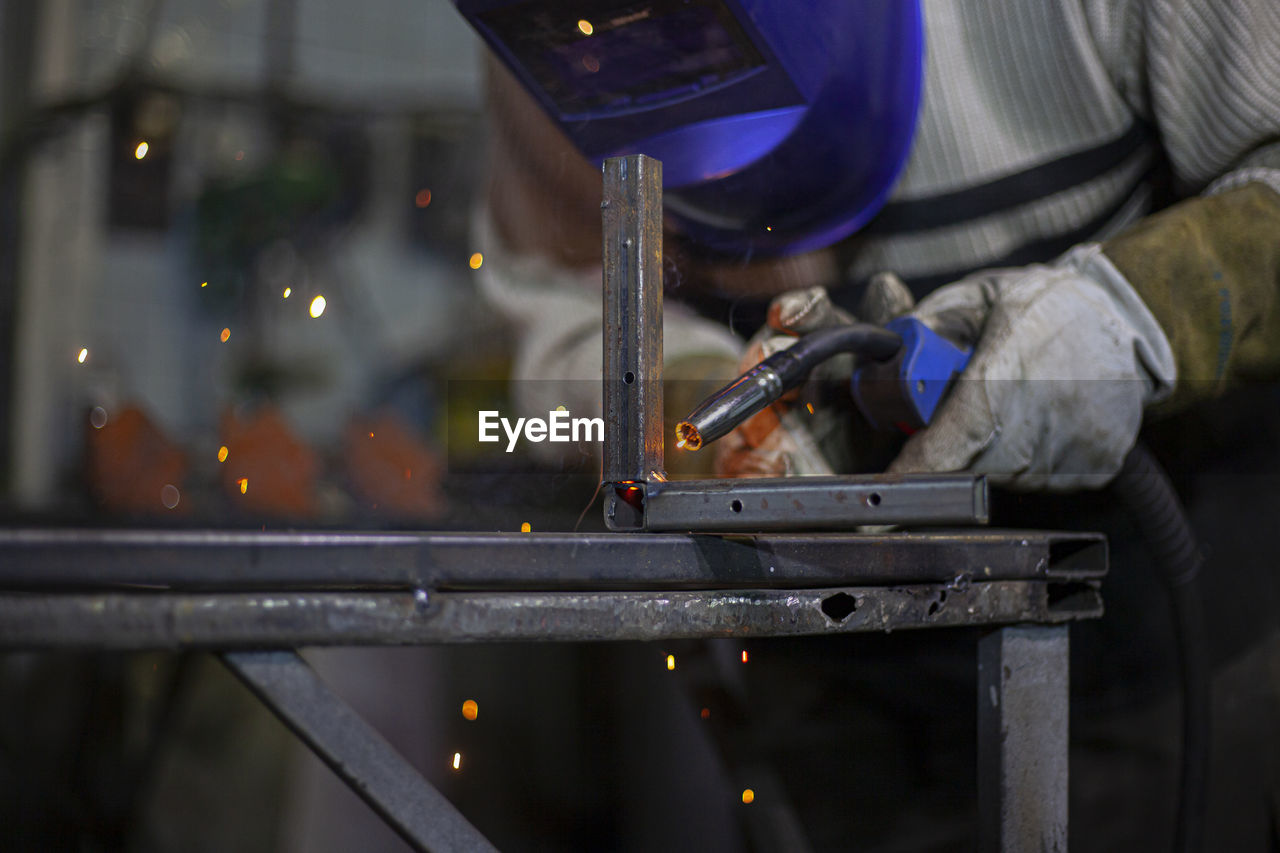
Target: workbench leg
x=356, y=752
x=1022, y=739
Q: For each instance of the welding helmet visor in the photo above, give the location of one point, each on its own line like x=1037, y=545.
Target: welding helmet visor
x=782, y=127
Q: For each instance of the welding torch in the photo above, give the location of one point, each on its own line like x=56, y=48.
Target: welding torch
x=904, y=371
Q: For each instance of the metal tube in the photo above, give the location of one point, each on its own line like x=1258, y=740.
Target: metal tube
x=815, y=503
x=77, y=560
x=355, y=751
x=1022, y=739
x=631, y=214
x=142, y=620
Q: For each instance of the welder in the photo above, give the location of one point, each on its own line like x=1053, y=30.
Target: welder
x=1085, y=192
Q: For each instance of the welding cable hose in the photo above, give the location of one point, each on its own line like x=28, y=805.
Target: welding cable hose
x=770, y=379
x=1145, y=491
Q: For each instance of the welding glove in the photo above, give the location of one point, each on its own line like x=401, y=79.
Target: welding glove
x=788, y=438
x=1066, y=357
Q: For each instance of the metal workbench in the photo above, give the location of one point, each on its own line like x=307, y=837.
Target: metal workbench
x=254, y=598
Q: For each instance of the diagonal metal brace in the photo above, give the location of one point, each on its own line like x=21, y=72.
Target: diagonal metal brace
x=355, y=751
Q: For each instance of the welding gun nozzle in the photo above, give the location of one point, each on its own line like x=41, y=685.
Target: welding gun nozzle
x=687, y=436
x=770, y=379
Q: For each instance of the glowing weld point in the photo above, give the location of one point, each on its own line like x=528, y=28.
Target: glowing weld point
x=706, y=713
x=457, y=761
x=287, y=292
x=809, y=406
x=526, y=527
x=244, y=485
x=671, y=661
x=744, y=655
x=748, y=796
x=585, y=27
x=204, y=284
x=476, y=260
x=141, y=150
x=83, y=354
x=470, y=709
x=226, y=334
x=222, y=453
x=317, y=306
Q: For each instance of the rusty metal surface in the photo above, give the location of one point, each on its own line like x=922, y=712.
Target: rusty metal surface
x=165, y=620
x=632, y=221
x=815, y=503
x=50, y=559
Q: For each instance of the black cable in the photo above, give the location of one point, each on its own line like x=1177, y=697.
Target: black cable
x=795, y=362
x=1144, y=489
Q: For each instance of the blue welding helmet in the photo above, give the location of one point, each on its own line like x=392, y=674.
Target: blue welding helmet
x=781, y=126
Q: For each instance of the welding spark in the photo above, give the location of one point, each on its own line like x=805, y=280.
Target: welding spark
x=457, y=761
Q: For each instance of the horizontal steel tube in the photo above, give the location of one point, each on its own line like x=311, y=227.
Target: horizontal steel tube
x=815, y=503
x=266, y=620
x=47, y=559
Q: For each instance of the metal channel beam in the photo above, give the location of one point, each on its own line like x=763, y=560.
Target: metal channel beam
x=355, y=751
x=67, y=559
x=632, y=225
x=815, y=503
x=142, y=620
x=1022, y=739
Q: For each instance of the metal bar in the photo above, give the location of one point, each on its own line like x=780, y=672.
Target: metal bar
x=355, y=751
x=148, y=620
x=51, y=559
x=1022, y=739
x=632, y=221
x=814, y=503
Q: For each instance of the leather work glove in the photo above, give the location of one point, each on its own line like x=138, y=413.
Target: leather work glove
x=786, y=439
x=1066, y=357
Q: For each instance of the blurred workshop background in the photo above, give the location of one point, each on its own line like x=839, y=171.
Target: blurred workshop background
x=236, y=283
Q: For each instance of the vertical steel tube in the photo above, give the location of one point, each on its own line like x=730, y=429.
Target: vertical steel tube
x=632, y=247
x=1022, y=739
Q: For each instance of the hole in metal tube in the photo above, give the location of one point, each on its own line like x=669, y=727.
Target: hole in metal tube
x=839, y=606
x=873, y=499
x=628, y=377
x=736, y=506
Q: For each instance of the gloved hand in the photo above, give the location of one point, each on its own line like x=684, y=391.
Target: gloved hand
x=1066, y=357
x=784, y=440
